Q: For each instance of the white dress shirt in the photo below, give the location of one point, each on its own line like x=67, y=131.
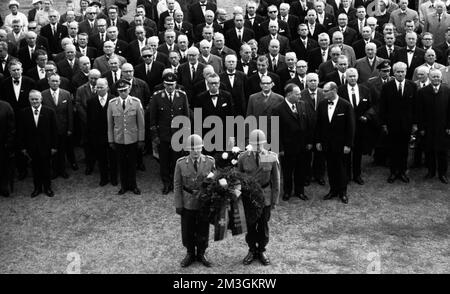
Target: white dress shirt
x=17, y=88
x=36, y=114
x=331, y=109
x=350, y=92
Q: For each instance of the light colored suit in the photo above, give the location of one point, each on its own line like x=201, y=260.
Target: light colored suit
x=125, y=126
x=350, y=53
x=63, y=110
x=424, y=10
x=259, y=105
x=101, y=63
x=436, y=27
x=435, y=65
x=398, y=18
x=365, y=70
x=214, y=60
x=445, y=75
x=10, y=37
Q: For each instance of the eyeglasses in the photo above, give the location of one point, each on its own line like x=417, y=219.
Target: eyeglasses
x=32, y=28
x=147, y=56
x=272, y=12
x=122, y=90
x=91, y=13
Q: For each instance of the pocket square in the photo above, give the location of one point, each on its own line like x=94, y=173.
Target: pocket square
x=340, y=114
x=65, y=101
x=223, y=105
x=364, y=100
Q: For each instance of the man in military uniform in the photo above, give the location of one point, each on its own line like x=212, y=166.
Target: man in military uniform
x=194, y=228
x=126, y=133
x=263, y=166
x=164, y=106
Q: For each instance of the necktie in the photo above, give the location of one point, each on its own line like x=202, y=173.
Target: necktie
x=274, y=64
x=123, y=104
x=294, y=110
x=257, y=158
x=102, y=38
x=342, y=79
x=195, y=165
x=436, y=90
x=36, y=112
x=313, y=97
x=55, y=98
x=71, y=63
x=115, y=76
x=193, y=72
x=171, y=97
x=354, y=98
x=400, y=92
x=360, y=27
x=42, y=71
x=439, y=15
x=148, y=69
x=302, y=85
x=239, y=36
x=389, y=52
x=54, y=29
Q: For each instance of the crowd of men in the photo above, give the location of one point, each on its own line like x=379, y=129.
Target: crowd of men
x=343, y=84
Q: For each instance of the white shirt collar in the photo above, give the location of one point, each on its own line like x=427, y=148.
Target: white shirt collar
x=38, y=109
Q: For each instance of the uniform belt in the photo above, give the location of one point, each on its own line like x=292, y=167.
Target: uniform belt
x=187, y=190
x=265, y=185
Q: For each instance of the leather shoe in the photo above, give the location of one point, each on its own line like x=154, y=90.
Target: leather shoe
x=64, y=175
x=429, y=176
x=88, y=171
x=286, y=196
x=404, y=178
x=187, y=260
x=303, y=197
x=103, y=183
x=391, y=178
x=136, y=191
x=35, y=193
x=121, y=192
x=165, y=190
x=344, y=199
x=74, y=166
x=249, y=258
x=358, y=180
x=329, y=196
x=202, y=258
x=321, y=182
x=264, y=258
x=49, y=193
x=141, y=167
x=443, y=179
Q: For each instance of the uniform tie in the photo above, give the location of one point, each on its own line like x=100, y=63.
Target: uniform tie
x=123, y=104
x=195, y=165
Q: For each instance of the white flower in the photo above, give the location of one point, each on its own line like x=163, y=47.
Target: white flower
x=234, y=162
x=237, y=193
x=210, y=175
x=235, y=149
x=223, y=182
x=249, y=147
x=224, y=155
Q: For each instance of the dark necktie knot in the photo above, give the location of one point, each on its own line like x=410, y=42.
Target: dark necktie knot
x=245, y=64
x=214, y=96
x=231, y=74
x=203, y=5
x=36, y=112
x=330, y=102
x=410, y=50
x=16, y=82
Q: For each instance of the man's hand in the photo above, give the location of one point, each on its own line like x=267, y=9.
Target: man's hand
x=112, y=146
x=69, y=133
x=53, y=151
x=179, y=211
x=141, y=145
x=309, y=146
x=319, y=147
x=347, y=150
x=384, y=129
x=447, y=131
x=272, y=206
x=363, y=119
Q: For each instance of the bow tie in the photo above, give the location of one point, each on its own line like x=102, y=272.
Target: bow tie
x=214, y=96
x=16, y=82
x=245, y=64
x=250, y=18
x=292, y=70
x=410, y=50
x=330, y=102
x=202, y=4
x=231, y=74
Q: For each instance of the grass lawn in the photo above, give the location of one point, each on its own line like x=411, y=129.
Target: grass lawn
x=406, y=228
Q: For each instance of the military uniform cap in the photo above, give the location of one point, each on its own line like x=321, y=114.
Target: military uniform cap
x=170, y=78
x=193, y=142
x=384, y=65
x=122, y=84
x=257, y=137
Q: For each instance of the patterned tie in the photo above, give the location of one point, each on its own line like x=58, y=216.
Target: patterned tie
x=55, y=98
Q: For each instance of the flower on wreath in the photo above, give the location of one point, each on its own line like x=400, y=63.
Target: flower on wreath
x=235, y=149
x=225, y=155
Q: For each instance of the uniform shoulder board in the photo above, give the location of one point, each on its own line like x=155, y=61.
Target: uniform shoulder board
x=181, y=158
x=242, y=153
x=158, y=92
x=113, y=100
x=275, y=155
x=181, y=91
x=135, y=98
x=210, y=158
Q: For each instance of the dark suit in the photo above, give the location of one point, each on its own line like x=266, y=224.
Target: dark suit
x=293, y=21
x=333, y=77
x=91, y=52
x=64, y=121
x=350, y=35
x=195, y=13
x=296, y=132
x=238, y=91
x=150, y=8
x=38, y=142
x=298, y=47
x=287, y=76
x=315, y=60
x=54, y=41
x=7, y=134
x=65, y=70
x=122, y=27
x=121, y=48
x=134, y=54
x=251, y=67
x=297, y=9
x=41, y=43
x=4, y=66
x=131, y=33
x=351, y=13
x=360, y=47
x=417, y=60
x=185, y=79
x=434, y=120
x=256, y=26
x=65, y=84
x=85, y=27
x=255, y=80
x=329, y=21
x=398, y=113
x=153, y=78
x=315, y=167
x=382, y=52
x=333, y=136
x=96, y=42
x=28, y=61
x=363, y=130
x=263, y=45
x=79, y=79
x=281, y=64
x=232, y=40
x=318, y=29
x=326, y=69
x=186, y=29
x=97, y=136
x=283, y=29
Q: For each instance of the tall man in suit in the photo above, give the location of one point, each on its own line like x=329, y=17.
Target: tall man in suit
x=401, y=15
x=411, y=55
x=303, y=45
x=69, y=65
x=245, y=62
x=367, y=66
x=264, y=42
x=335, y=131
x=238, y=35
x=296, y=139
x=236, y=83
x=7, y=134
x=15, y=90
x=38, y=140
x=398, y=119
x=149, y=71
x=97, y=132
x=60, y=101
x=190, y=73
x=207, y=58
x=434, y=124
x=197, y=10
x=262, y=70
x=360, y=99
x=54, y=32
x=315, y=161
x=126, y=134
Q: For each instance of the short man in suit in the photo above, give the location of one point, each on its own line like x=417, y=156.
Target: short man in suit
x=313, y=26
x=360, y=99
x=324, y=18
x=98, y=37
x=273, y=34
x=69, y=65
x=335, y=131
x=17, y=33
x=367, y=66
x=194, y=228
x=430, y=62
x=264, y=167
x=245, y=62
x=38, y=140
x=299, y=79
x=97, y=132
x=434, y=124
x=239, y=34
x=349, y=34
x=236, y=83
x=60, y=101
x=296, y=139
x=164, y=106
x=389, y=49
x=126, y=134
x=315, y=161
x=190, y=73
x=197, y=10
x=54, y=32
x=398, y=119
x=411, y=55
x=7, y=135
x=27, y=53
x=207, y=58
x=149, y=71
x=303, y=45
x=219, y=48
